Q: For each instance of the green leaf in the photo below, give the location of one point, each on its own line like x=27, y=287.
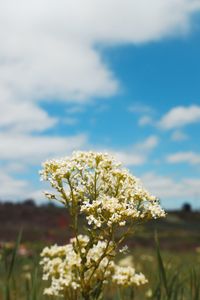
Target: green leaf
x=161, y=267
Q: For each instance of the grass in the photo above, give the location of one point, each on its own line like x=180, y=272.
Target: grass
x=171, y=275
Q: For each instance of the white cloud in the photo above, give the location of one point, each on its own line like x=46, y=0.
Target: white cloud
x=180, y=116
x=47, y=49
x=176, y=118
x=172, y=192
x=75, y=109
x=144, y=111
x=14, y=167
x=10, y=187
x=129, y=158
x=148, y=144
x=184, y=157
x=19, y=151
x=23, y=116
x=163, y=186
x=138, y=153
x=178, y=135
x=45, y=55
x=33, y=149
x=145, y=120
x=14, y=189
x=140, y=108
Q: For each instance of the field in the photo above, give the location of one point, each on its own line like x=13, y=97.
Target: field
x=172, y=267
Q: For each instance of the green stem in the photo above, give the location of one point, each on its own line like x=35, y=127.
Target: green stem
x=101, y=257
x=74, y=214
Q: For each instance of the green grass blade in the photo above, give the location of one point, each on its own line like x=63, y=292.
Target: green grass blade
x=10, y=267
x=161, y=267
x=34, y=289
x=14, y=255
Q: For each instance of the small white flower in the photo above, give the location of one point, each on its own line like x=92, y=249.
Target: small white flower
x=124, y=249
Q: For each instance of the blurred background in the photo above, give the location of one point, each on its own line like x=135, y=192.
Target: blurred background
x=115, y=76
x=121, y=76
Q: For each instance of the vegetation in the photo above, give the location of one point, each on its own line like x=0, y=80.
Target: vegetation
x=110, y=202
x=171, y=275
x=105, y=204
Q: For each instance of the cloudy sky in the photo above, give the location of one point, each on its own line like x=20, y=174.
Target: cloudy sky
x=110, y=75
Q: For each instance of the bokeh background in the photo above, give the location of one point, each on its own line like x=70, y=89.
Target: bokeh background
x=121, y=76
x=116, y=76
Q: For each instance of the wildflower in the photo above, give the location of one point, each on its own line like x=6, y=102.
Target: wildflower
x=124, y=249
x=126, y=276
x=94, y=185
x=104, y=191
x=62, y=265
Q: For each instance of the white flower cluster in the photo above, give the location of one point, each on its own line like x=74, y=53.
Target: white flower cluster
x=95, y=185
x=107, y=193
x=59, y=264
x=126, y=276
x=62, y=266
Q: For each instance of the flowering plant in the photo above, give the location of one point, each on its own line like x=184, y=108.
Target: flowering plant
x=95, y=186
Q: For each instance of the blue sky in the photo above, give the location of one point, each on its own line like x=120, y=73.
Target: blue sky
x=127, y=84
